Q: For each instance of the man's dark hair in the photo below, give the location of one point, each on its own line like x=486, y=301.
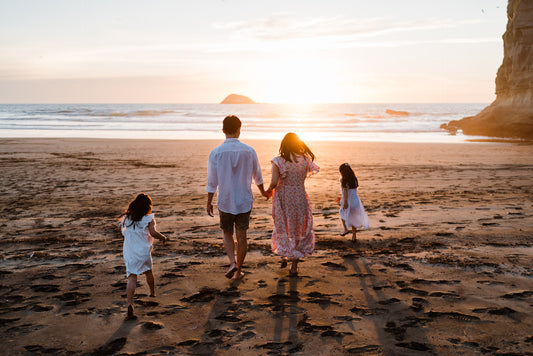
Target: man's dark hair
x=231, y=124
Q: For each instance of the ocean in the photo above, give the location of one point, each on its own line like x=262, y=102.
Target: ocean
x=336, y=122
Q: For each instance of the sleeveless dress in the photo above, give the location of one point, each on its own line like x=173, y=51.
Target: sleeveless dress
x=293, y=235
x=354, y=215
x=137, y=248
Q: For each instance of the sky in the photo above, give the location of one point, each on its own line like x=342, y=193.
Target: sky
x=288, y=51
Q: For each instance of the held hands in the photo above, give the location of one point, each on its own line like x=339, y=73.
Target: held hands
x=267, y=194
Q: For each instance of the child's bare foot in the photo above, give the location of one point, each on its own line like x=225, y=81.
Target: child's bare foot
x=345, y=233
x=131, y=315
x=153, y=295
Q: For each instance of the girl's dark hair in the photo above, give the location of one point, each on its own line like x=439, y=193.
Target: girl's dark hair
x=349, y=180
x=139, y=207
x=291, y=145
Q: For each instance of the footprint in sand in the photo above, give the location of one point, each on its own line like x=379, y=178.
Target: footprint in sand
x=111, y=347
x=335, y=266
x=203, y=296
x=495, y=311
x=73, y=298
x=453, y=315
x=412, y=345
x=368, y=311
x=45, y=288
x=38, y=349
x=319, y=298
x=41, y=308
x=152, y=325
x=518, y=295
x=367, y=349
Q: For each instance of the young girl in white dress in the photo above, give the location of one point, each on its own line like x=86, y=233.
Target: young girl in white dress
x=352, y=211
x=138, y=227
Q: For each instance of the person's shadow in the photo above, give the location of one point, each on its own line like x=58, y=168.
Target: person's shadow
x=392, y=326
x=116, y=341
x=286, y=310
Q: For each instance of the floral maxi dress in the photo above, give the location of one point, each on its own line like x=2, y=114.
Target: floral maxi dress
x=293, y=235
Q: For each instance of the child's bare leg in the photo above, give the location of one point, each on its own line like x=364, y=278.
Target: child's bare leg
x=151, y=282
x=345, y=228
x=130, y=288
x=354, y=234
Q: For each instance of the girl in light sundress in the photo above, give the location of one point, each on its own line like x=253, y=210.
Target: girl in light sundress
x=352, y=211
x=293, y=237
x=139, y=229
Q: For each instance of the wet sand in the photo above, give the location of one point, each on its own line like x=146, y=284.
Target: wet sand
x=445, y=268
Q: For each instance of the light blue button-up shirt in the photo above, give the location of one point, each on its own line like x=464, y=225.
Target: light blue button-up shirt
x=231, y=168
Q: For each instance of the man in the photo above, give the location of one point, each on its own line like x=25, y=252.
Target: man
x=231, y=167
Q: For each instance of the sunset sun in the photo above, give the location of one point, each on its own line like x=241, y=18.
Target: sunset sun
x=299, y=80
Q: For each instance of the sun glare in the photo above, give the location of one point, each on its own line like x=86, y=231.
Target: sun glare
x=298, y=80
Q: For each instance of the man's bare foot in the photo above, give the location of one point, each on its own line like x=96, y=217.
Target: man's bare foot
x=231, y=271
x=152, y=295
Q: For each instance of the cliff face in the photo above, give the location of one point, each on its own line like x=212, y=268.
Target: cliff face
x=511, y=114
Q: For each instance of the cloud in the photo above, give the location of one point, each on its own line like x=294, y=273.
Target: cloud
x=281, y=27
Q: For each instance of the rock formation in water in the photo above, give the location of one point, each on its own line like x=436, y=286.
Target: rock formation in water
x=511, y=114
x=396, y=113
x=237, y=99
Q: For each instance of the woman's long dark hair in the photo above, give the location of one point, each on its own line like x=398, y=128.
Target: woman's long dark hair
x=139, y=207
x=291, y=146
x=349, y=180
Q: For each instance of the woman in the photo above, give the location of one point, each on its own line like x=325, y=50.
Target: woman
x=292, y=237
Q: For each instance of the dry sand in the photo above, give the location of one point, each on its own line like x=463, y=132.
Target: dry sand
x=445, y=268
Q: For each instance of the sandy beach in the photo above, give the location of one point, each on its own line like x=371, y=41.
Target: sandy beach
x=445, y=268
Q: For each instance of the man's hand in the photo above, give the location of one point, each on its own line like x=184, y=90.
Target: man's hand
x=209, y=207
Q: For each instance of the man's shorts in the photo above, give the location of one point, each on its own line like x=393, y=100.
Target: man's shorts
x=241, y=221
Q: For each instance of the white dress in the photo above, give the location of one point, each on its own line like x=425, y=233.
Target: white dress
x=137, y=249
x=354, y=215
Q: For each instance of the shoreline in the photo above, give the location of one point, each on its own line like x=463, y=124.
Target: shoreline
x=445, y=267
x=465, y=139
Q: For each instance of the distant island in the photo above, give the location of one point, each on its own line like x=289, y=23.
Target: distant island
x=237, y=99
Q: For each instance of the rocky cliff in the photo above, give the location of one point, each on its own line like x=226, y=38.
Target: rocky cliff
x=237, y=99
x=511, y=114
